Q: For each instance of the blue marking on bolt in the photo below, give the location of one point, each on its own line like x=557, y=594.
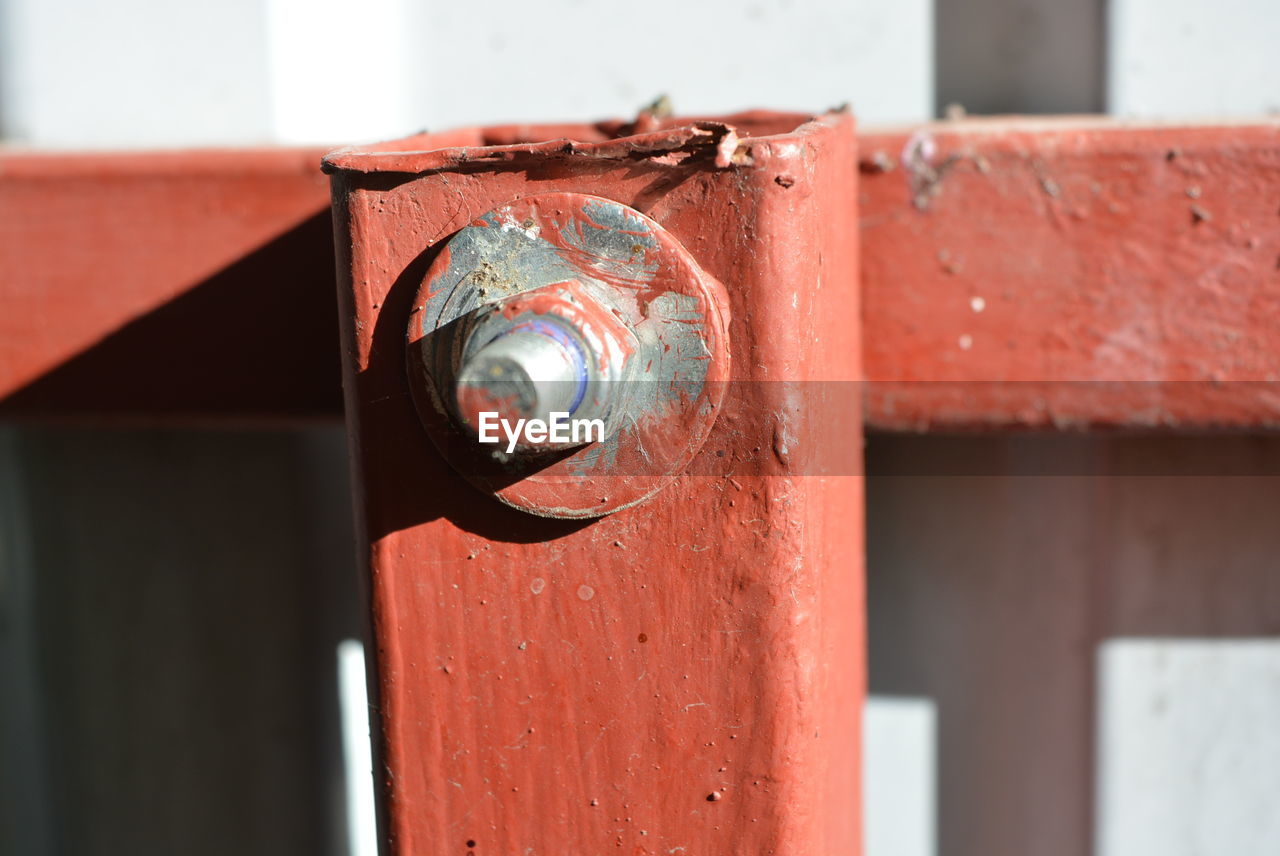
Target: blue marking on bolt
x=561, y=336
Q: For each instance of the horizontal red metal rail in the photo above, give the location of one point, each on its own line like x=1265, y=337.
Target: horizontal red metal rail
x=1070, y=273
x=168, y=284
x=1016, y=273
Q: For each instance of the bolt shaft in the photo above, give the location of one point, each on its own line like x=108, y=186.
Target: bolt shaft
x=528, y=371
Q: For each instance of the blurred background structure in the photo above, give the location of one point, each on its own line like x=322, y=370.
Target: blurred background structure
x=1061, y=665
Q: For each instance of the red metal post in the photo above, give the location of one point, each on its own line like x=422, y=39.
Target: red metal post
x=680, y=677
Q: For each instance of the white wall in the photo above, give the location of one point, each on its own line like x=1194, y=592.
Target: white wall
x=127, y=73
x=582, y=58
x=1194, y=58
x=899, y=776
x=1189, y=747
x=88, y=73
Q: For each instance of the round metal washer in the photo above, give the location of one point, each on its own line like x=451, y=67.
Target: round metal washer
x=676, y=380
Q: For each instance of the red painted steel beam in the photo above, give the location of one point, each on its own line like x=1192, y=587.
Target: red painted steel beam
x=175, y=285
x=1072, y=274
x=684, y=676
x=1126, y=276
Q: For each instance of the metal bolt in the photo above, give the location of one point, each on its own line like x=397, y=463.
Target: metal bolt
x=528, y=371
x=558, y=349
x=575, y=304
